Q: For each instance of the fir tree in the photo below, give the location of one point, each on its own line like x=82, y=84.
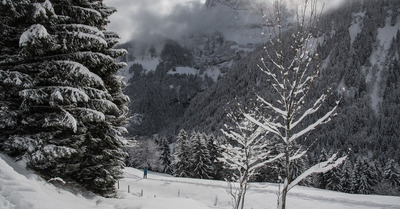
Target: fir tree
x=364, y=177
x=165, y=155
x=322, y=179
x=182, y=164
x=215, y=155
x=201, y=158
x=391, y=174
x=346, y=177
x=334, y=179
x=67, y=102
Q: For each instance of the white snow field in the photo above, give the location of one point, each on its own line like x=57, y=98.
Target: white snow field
x=22, y=189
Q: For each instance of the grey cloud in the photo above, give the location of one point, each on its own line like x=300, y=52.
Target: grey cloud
x=148, y=21
x=152, y=21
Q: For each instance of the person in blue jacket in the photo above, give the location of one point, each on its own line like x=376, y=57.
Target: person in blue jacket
x=145, y=173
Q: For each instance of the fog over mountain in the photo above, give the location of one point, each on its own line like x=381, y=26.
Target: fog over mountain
x=154, y=20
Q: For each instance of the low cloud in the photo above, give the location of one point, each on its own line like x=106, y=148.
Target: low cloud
x=153, y=21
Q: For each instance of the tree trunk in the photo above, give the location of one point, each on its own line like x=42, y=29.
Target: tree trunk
x=282, y=203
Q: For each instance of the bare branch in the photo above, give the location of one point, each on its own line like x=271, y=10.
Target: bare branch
x=321, y=167
x=311, y=127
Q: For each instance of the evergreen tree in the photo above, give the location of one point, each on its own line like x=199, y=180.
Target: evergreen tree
x=14, y=18
x=391, y=174
x=346, y=177
x=66, y=103
x=201, y=157
x=182, y=163
x=364, y=177
x=165, y=156
x=334, y=179
x=215, y=156
x=322, y=178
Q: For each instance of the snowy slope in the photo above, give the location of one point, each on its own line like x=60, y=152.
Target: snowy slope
x=149, y=64
x=378, y=60
x=22, y=189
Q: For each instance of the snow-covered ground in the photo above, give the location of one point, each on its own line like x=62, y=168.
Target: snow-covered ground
x=22, y=189
x=148, y=63
x=356, y=26
x=378, y=60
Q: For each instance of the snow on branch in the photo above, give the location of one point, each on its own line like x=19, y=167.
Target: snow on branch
x=97, y=94
x=66, y=120
x=271, y=160
x=312, y=126
x=80, y=70
x=283, y=113
x=104, y=105
x=41, y=9
x=310, y=111
x=321, y=167
x=66, y=94
x=268, y=126
x=84, y=29
x=90, y=37
x=33, y=33
x=16, y=78
x=57, y=179
x=89, y=115
x=87, y=11
x=298, y=155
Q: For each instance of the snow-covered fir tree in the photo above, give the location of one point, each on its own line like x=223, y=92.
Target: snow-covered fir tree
x=391, y=174
x=334, y=179
x=346, y=177
x=214, y=148
x=364, y=177
x=165, y=155
x=321, y=179
x=202, y=164
x=182, y=164
x=65, y=106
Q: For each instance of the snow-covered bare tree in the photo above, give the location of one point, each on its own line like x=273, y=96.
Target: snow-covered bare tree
x=244, y=155
x=62, y=105
x=144, y=154
x=292, y=67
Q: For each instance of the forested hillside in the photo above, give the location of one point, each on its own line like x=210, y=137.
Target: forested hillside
x=358, y=47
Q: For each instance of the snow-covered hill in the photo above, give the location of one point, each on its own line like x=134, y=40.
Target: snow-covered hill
x=22, y=189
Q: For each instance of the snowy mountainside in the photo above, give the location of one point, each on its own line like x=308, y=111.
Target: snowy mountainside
x=22, y=189
x=181, y=68
x=359, y=48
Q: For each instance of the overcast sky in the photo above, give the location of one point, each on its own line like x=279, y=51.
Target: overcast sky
x=147, y=20
x=137, y=18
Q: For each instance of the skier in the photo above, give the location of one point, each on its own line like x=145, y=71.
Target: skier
x=145, y=173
